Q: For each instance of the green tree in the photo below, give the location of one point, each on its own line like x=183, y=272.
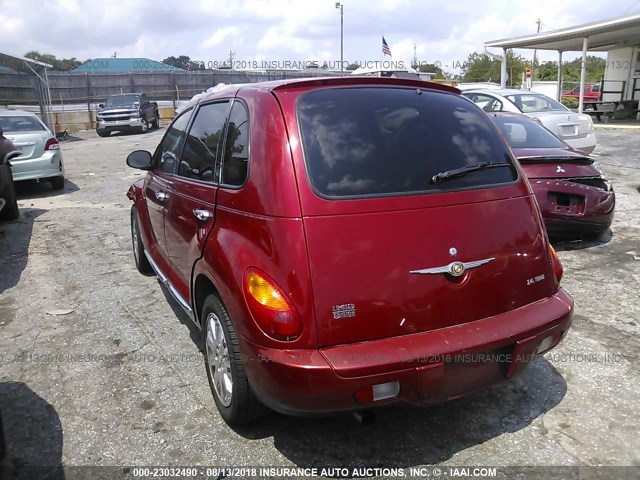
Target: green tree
x=184, y=61
x=571, y=70
x=62, y=64
x=480, y=67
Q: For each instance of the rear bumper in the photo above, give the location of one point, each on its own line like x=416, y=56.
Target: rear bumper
x=586, y=144
x=591, y=209
x=430, y=367
x=47, y=166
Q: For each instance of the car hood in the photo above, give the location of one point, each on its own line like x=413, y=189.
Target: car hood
x=555, y=163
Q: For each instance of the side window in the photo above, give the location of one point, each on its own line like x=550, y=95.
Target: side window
x=488, y=104
x=198, y=158
x=165, y=158
x=236, y=151
x=596, y=88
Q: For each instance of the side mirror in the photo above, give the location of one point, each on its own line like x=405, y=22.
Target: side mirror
x=101, y=105
x=139, y=159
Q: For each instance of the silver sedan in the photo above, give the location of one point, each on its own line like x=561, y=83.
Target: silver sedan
x=40, y=157
x=574, y=128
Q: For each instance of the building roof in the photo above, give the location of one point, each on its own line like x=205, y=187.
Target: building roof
x=603, y=35
x=124, y=65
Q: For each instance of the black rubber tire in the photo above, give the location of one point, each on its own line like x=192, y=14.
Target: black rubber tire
x=142, y=263
x=244, y=407
x=103, y=133
x=156, y=120
x=3, y=449
x=10, y=210
x=145, y=126
x=57, y=183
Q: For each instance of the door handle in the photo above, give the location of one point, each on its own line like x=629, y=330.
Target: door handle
x=161, y=196
x=202, y=214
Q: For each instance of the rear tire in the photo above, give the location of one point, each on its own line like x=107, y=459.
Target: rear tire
x=10, y=210
x=224, y=363
x=57, y=183
x=142, y=263
x=156, y=121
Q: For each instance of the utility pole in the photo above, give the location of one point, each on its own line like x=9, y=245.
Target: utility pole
x=415, y=57
x=535, y=53
x=231, y=55
x=340, y=6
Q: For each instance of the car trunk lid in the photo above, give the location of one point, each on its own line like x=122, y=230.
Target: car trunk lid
x=30, y=144
x=373, y=274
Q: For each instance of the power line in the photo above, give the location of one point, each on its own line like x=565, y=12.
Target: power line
x=632, y=6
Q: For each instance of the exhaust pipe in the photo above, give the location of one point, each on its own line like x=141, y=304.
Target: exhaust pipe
x=366, y=418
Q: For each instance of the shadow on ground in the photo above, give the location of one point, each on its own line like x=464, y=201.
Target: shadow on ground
x=28, y=189
x=32, y=433
x=563, y=244
x=15, y=237
x=405, y=436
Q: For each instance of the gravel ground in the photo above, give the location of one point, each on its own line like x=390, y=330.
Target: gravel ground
x=99, y=367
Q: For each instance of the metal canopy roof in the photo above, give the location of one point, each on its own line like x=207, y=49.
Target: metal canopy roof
x=603, y=35
x=19, y=64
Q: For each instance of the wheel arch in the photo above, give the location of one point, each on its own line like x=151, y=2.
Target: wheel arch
x=203, y=286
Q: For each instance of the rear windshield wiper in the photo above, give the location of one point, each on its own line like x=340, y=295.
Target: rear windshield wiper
x=460, y=172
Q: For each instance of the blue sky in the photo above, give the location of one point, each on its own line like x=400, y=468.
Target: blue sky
x=280, y=30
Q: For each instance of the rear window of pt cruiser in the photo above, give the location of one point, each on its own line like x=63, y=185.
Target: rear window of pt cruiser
x=376, y=141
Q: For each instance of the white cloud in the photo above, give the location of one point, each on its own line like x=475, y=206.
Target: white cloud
x=281, y=29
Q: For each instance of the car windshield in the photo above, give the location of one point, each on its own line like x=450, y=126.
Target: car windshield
x=20, y=123
x=525, y=133
x=378, y=140
x=118, y=100
x=531, y=102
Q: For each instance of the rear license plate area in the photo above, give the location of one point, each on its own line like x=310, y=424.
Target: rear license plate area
x=566, y=204
x=569, y=130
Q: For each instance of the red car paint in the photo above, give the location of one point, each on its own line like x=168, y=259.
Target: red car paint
x=344, y=266
x=574, y=196
x=591, y=92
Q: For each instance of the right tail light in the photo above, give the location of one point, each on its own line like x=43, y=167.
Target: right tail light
x=557, y=266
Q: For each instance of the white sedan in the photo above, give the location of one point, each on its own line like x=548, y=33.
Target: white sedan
x=574, y=128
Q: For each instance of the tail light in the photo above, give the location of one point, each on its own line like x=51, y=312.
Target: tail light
x=557, y=266
x=52, y=144
x=270, y=308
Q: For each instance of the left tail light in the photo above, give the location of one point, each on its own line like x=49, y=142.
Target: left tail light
x=270, y=307
x=557, y=266
x=52, y=144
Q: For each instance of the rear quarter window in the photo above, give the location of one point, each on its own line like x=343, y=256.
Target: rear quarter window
x=391, y=141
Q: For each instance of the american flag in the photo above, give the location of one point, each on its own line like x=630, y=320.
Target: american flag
x=385, y=48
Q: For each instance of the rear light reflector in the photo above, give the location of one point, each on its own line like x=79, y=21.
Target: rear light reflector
x=548, y=343
x=52, y=144
x=557, y=266
x=375, y=393
x=270, y=308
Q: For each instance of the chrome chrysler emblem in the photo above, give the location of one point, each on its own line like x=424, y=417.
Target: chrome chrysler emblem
x=455, y=269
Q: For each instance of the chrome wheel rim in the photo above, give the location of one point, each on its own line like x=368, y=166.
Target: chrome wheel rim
x=218, y=360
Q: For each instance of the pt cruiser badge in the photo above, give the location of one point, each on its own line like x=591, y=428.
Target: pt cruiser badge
x=455, y=269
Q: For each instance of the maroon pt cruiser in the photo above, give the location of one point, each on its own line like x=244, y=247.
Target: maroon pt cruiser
x=345, y=243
